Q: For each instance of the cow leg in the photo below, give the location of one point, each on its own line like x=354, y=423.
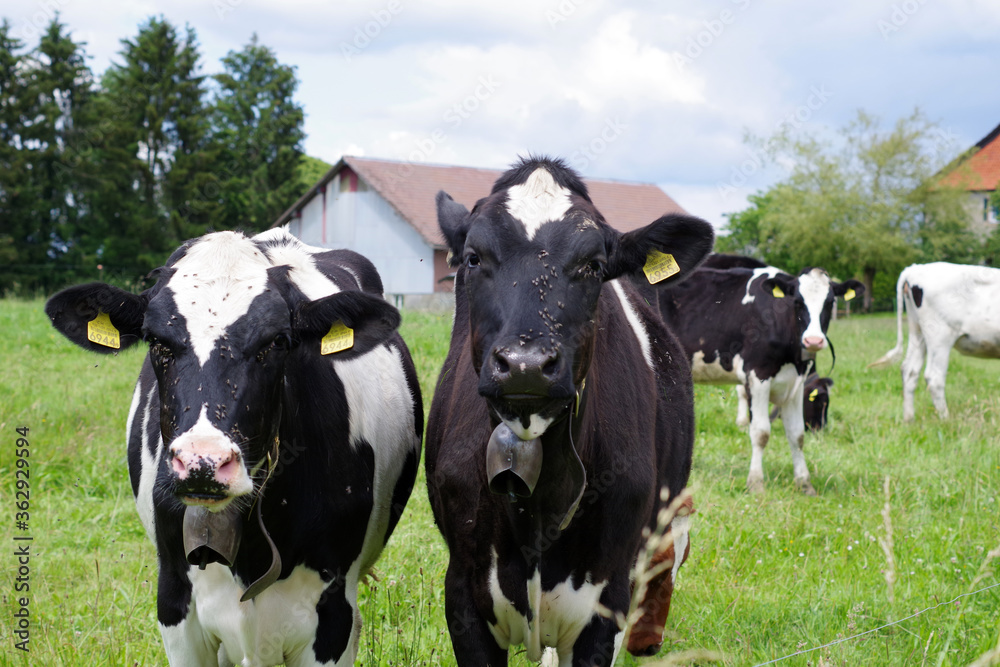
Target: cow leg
x=935, y=374
x=791, y=417
x=759, y=394
x=471, y=638
x=599, y=642
x=742, y=409
x=646, y=635
x=185, y=641
x=911, y=371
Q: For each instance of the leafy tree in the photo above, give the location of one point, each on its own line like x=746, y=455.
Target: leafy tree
x=13, y=173
x=865, y=203
x=259, y=129
x=308, y=173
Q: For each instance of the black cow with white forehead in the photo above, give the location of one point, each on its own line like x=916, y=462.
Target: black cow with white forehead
x=273, y=440
x=563, y=409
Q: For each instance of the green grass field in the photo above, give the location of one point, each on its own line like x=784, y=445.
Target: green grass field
x=768, y=576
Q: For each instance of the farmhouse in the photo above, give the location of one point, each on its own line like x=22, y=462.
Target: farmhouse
x=978, y=174
x=385, y=210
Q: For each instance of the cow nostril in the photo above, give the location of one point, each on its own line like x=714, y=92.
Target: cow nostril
x=551, y=366
x=179, y=468
x=500, y=362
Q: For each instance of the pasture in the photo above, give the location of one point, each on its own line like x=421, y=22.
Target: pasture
x=768, y=575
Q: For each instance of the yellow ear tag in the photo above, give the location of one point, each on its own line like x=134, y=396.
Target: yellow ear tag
x=849, y=294
x=813, y=394
x=659, y=266
x=101, y=331
x=339, y=338
x=778, y=294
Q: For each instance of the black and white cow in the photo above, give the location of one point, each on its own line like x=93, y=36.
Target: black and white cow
x=563, y=408
x=948, y=306
x=758, y=328
x=270, y=454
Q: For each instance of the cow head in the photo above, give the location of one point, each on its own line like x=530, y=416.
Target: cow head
x=221, y=323
x=813, y=294
x=533, y=257
x=816, y=401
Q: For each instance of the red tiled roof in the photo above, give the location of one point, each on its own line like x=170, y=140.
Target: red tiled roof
x=411, y=188
x=980, y=170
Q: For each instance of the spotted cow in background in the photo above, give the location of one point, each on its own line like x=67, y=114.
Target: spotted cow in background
x=758, y=328
x=564, y=409
x=948, y=306
x=273, y=440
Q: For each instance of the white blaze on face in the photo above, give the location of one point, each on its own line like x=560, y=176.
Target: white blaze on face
x=814, y=288
x=538, y=200
x=213, y=285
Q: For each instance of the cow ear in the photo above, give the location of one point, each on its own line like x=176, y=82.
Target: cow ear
x=98, y=317
x=346, y=324
x=849, y=289
x=780, y=285
x=827, y=382
x=667, y=250
x=453, y=219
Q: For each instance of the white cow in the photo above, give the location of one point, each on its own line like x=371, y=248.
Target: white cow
x=949, y=305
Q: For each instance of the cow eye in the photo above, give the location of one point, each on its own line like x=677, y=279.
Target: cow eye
x=472, y=260
x=159, y=350
x=593, y=268
x=280, y=342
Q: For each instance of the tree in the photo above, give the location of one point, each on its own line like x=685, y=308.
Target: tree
x=151, y=159
x=46, y=96
x=259, y=129
x=865, y=203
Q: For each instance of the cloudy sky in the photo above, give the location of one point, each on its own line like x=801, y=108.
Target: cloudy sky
x=660, y=92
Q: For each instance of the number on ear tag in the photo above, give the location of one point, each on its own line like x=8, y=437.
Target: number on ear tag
x=778, y=294
x=339, y=338
x=813, y=394
x=849, y=294
x=659, y=266
x=101, y=331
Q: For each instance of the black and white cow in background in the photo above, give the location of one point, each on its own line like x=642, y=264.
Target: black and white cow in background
x=948, y=306
x=758, y=328
x=816, y=403
x=563, y=408
x=237, y=394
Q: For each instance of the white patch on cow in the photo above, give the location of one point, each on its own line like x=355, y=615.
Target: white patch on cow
x=714, y=373
x=279, y=625
x=302, y=269
x=150, y=464
x=538, y=200
x=768, y=271
x=214, y=284
x=633, y=319
x=814, y=287
x=380, y=408
x=203, y=430
x=558, y=615
x=537, y=425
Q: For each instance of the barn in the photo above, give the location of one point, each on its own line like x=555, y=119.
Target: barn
x=385, y=210
x=977, y=173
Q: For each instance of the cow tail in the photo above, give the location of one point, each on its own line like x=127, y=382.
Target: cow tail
x=894, y=355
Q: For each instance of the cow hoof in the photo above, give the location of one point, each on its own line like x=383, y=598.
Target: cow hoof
x=806, y=487
x=755, y=485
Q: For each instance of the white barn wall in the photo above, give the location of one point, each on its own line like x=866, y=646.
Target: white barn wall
x=365, y=222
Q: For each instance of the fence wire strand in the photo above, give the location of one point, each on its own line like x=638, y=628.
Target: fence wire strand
x=883, y=627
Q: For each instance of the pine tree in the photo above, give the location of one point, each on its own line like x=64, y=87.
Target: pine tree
x=259, y=129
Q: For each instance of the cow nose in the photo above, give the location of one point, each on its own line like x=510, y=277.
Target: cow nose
x=525, y=369
x=814, y=343
x=207, y=459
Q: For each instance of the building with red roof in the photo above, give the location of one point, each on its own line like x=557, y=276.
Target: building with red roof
x=385, y=210
x=978, y=174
